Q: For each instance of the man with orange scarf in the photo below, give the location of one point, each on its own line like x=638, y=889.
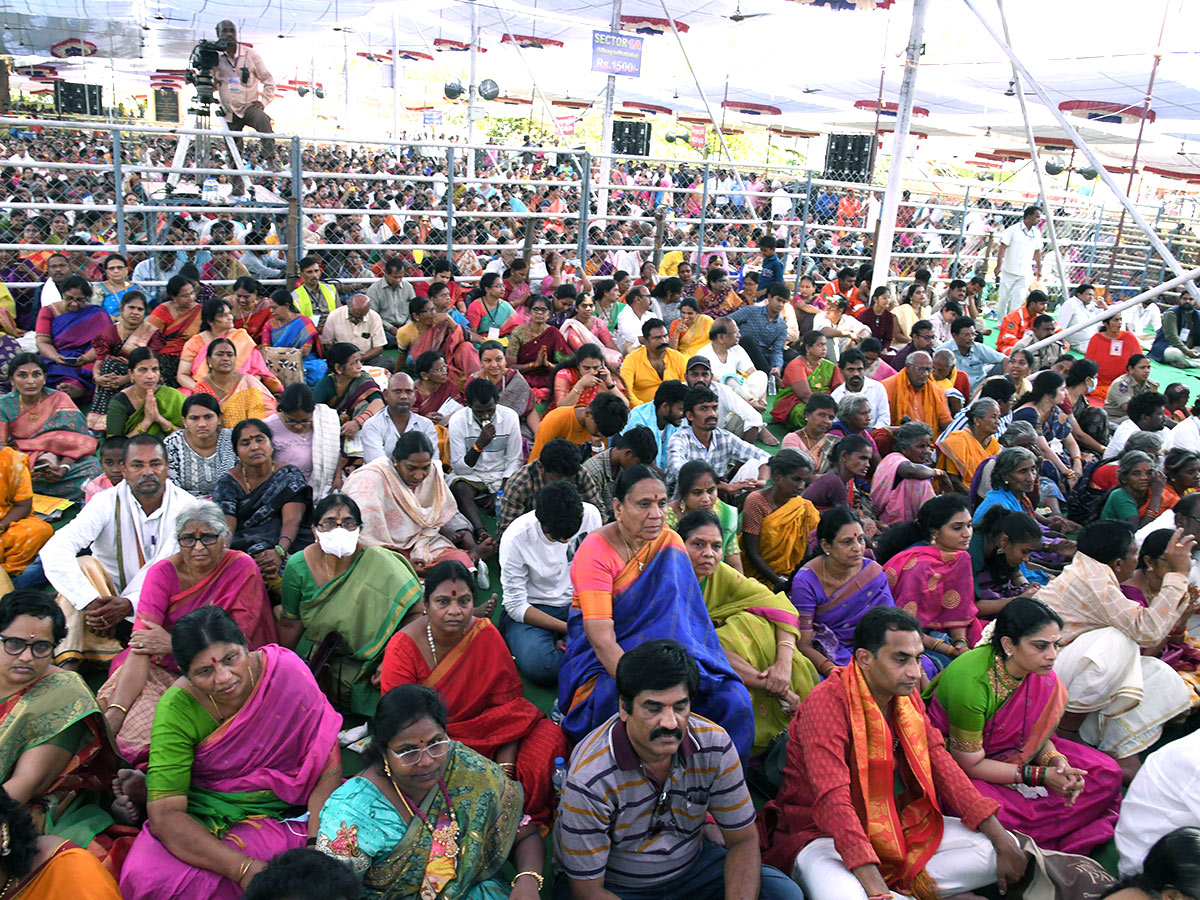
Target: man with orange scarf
x=859, y=813
x=911, y=393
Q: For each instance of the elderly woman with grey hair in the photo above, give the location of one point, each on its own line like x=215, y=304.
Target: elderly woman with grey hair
x=1138, y=497
x=205, y=572
x=904, y=479
x=854, y=417
x=962, y=452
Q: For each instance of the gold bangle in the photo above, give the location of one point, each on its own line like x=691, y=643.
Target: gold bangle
x=791, y=644
x=536, y=875
x=124, y=709
x=245, y=868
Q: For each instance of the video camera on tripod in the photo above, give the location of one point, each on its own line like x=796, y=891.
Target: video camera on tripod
x=205, y=57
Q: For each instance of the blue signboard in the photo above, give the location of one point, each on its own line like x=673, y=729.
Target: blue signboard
x=616, y=54
x=433, y=117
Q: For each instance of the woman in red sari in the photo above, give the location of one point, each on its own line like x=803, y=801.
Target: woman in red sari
x=177, y=319
x=251, y=312
x=435, y=330
x=535, y=349
x=467, y=661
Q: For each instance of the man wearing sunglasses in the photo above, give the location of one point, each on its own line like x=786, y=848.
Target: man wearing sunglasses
x=631, y=821
x=127, y=529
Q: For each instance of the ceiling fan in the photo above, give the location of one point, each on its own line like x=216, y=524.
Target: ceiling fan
x=739, y=16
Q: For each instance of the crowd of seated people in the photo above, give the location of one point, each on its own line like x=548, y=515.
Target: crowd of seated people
x=297, y=506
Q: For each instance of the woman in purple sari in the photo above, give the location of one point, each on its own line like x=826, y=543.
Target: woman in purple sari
x=242, y=745
x=832, y=591
x=999, y=706
x=65, y=331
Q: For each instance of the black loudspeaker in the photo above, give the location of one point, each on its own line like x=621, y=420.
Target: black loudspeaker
x=631, y=138
x=78, y=99
x=848, y=157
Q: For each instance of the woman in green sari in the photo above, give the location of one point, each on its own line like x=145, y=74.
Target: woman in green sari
x=696, y=488
x=397, y=825
x=362, y=593
x=758, y=630
x=54, y=745
x=807, y=374
x=147, y=406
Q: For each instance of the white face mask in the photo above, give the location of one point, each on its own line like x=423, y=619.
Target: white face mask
x=339, y=542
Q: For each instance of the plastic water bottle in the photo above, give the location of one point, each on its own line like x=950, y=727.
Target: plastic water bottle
x=771, y=386
x=499, y=501
x=560, y=775
x=210, y=194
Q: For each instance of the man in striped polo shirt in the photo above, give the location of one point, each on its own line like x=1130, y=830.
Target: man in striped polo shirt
x=638, y=791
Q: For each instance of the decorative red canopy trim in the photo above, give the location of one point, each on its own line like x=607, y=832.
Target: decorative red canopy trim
x=530, y=42
x=1100, y=109
x=628, y=114
x=784, y=131
x=752, y=109
x=888, y=109
x=514, y=101
x=650, y=25
x=648, y=107
x=456, y=46
x=571, y=104
x=1170, y=173
x=695, y=120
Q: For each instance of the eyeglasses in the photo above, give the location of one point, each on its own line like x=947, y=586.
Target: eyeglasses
x=188, y=541
x=15, y=646
x=327, y=525
x=436, y=750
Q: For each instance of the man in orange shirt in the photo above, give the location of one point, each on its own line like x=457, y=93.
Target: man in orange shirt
x=913, y=395
x=843, y=285
x=1014, y=326
x=593, y=424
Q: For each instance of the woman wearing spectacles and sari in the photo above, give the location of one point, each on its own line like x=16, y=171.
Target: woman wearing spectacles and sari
x=466, y=660
x=54, y=747
x=205, y=572
x=428, y=816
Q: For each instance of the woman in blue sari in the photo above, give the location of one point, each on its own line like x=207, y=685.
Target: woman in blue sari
x=633, y=582
x=289, y=328
x=65, y=331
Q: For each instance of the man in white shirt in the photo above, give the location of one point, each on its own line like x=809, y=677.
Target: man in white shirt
x=535, y=571
x=638, y=311
x=128, y=528
x=1145, y=413
x=356, y=323
x=853, y=366
x=1164, y=795
x=1144, y=321
x=1079, y=307
x=485, y=449
x=382, y=430
x=1019, y=260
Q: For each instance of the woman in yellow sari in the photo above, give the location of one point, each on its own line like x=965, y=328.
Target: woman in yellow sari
x=689, y=332
x=758, y=630
x=23, y=533
x=216, y=321
x=777, y=521
x=241, y=396
x=962, y=452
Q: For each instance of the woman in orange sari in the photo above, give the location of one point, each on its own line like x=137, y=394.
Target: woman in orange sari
x=467, y=661
x=429, y=329
x=777, y=522
x=177, y=319
x=217, y=321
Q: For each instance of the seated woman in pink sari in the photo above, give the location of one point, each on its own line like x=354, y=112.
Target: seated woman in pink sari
x=933, y=579
x=242, y=744
x=431, y=329
x=536, y=348
x=579, y=379
x=515, y=392
x=205, y=572
x=999, y=706
x=902, y=481
x=65, y=331
x=216, y=321
x=585, y=327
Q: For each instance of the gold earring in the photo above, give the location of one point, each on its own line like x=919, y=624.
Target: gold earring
x=387, y=770
x=4, y=848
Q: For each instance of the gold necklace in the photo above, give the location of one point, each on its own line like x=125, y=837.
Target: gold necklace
x=7, y=884
x=632, y=552
x=221, y=718
x=1003, y=682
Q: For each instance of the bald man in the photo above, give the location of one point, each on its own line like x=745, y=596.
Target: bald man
x=244, y=87
x=356, y=323
x=382, y=430
x=913, y=396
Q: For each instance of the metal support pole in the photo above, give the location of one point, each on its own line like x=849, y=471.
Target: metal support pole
x=450, y=194
x=1084, y=148
x=1037, y=163
x=472, y=88
x=606, y=126
x=1146, y=265
x=891, y=195
x=118, y=193
x=1095, y=240
x=585, y=203
x=804, y=230
x=295, y=243
x=660, y=227
x=956, y=266
x=395, y=77
x=1118, y=308
x=703, y=217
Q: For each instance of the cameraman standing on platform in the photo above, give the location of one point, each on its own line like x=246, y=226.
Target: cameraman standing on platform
x=245, y=87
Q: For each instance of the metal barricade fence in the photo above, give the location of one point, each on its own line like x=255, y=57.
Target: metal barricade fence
x=356, y=202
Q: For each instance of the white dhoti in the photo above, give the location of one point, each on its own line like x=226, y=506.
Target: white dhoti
x=1127, y=697
x=749, y=387
x=964, y=861
x=1011, y=293
x=730, y=403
